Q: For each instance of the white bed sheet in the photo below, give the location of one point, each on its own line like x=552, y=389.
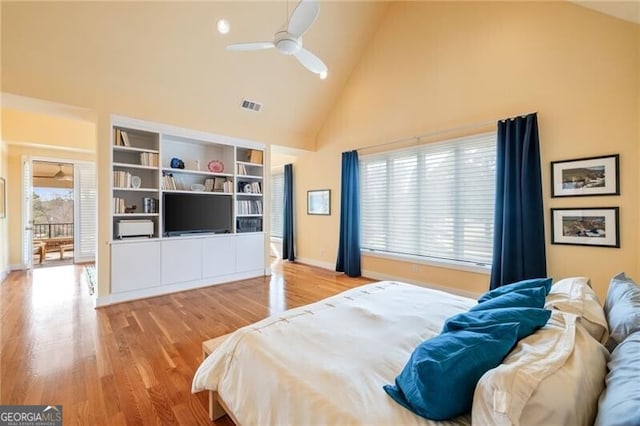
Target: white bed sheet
x=326, y=363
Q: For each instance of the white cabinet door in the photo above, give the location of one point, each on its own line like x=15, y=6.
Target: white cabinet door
x=249, y=252
x=218, y=256
x=181, y=260
x=135, y=265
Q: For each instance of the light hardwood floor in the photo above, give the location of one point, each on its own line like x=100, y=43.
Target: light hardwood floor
x=131, y=363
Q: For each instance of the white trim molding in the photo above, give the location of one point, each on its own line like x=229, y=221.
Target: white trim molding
x=319, y=263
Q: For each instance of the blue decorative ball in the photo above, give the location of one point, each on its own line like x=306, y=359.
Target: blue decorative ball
x=177, y=163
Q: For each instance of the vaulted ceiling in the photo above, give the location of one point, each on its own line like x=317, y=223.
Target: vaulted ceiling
x=165, y=61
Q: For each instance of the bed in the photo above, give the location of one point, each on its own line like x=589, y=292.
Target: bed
x=326, y=363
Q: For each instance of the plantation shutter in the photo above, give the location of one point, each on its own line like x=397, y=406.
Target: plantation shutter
x=434, y=200
x=277, y=203
x=85, y=238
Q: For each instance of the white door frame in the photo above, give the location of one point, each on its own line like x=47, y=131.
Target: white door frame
x=27, y=209
x=27, y=222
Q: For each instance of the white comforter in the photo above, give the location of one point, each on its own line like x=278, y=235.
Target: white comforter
x=326, y=363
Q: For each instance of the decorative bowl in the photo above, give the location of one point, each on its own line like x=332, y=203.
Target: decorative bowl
x=198, y=187
x=215, y=166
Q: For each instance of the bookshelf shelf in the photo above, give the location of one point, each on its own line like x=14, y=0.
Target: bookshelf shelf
x=121, y=215
x=195, y=172
x=134, y=166
x=249, y=177
x=186, y=191
x=117, y=188
x=134, y=149
x=247, y=163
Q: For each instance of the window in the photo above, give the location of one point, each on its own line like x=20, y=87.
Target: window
x=277, y=203
x=434, y=201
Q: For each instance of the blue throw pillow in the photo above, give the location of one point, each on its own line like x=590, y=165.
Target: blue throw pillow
x=440, y=377
x=524, y=298
x=529, y=319
x=532, y=283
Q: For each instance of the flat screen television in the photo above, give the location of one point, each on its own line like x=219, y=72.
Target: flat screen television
x=196, y=213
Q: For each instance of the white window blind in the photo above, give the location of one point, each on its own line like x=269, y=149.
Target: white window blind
x=434, y=200
x=277, y=203
x=86, y=197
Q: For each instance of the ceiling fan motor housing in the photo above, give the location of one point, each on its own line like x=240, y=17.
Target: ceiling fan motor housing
x=286, y=43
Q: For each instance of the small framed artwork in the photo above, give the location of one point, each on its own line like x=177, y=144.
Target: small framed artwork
x=3, y=199
x=319, y=202
x=586, y=177
x=587, y=226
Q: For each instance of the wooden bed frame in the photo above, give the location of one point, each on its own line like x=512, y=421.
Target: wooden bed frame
x=217, y=407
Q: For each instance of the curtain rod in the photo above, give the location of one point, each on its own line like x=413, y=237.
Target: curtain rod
x=441, y=132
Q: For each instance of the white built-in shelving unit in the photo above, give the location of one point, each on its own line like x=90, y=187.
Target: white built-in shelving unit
x=229, y=169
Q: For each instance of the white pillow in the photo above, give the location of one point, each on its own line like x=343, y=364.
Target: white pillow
x=575, y=295
x=552, y=377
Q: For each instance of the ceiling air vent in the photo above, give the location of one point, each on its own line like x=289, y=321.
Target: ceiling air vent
x=251, y=105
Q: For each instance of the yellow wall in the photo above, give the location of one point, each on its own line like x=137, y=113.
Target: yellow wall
x=28, y=134
x=4, y=228
x=430, y=66
x=47, y=129
x=438, y=65
x=638, y=159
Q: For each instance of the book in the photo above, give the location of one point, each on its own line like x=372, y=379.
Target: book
x=125, y=138
x=254, y=156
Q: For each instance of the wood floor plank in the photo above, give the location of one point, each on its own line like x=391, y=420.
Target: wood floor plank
x=131, y=363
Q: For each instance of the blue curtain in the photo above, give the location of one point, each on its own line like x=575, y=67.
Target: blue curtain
x=518, y=239
x=287, y=223
x=349, y=244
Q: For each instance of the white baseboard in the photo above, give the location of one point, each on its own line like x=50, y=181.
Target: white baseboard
x=386, y=277
x=160, y=290
x=4, y=274
x=17, y=267
x=319, y=263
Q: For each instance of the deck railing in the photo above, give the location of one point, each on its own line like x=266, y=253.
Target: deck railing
x=52, y=230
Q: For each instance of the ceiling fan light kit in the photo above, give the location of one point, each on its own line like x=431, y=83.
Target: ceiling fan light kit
x=289, y=41
x=61, y=175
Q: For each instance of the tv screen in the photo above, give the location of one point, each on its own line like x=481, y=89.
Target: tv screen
x=195, y=213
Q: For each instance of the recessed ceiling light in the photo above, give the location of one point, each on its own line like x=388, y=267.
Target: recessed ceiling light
x=223, y=26
x=323, y=75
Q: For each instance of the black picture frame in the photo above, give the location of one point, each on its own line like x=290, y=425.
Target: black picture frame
x=586, y=226
x=586, y=177
x=319, y=202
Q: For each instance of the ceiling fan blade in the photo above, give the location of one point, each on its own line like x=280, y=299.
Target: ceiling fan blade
x=259, y=45
x=302, y=17
x=311, y=61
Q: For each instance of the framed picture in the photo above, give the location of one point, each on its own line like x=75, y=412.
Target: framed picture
x=319, y=202
x=587, y=226
x=586, y=177
x=3, y=198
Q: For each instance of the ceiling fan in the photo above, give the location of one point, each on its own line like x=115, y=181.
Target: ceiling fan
x=289, y=41
x=60, y=175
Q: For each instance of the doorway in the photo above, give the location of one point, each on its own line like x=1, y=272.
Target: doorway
x=52, y=213
x=59, y=212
